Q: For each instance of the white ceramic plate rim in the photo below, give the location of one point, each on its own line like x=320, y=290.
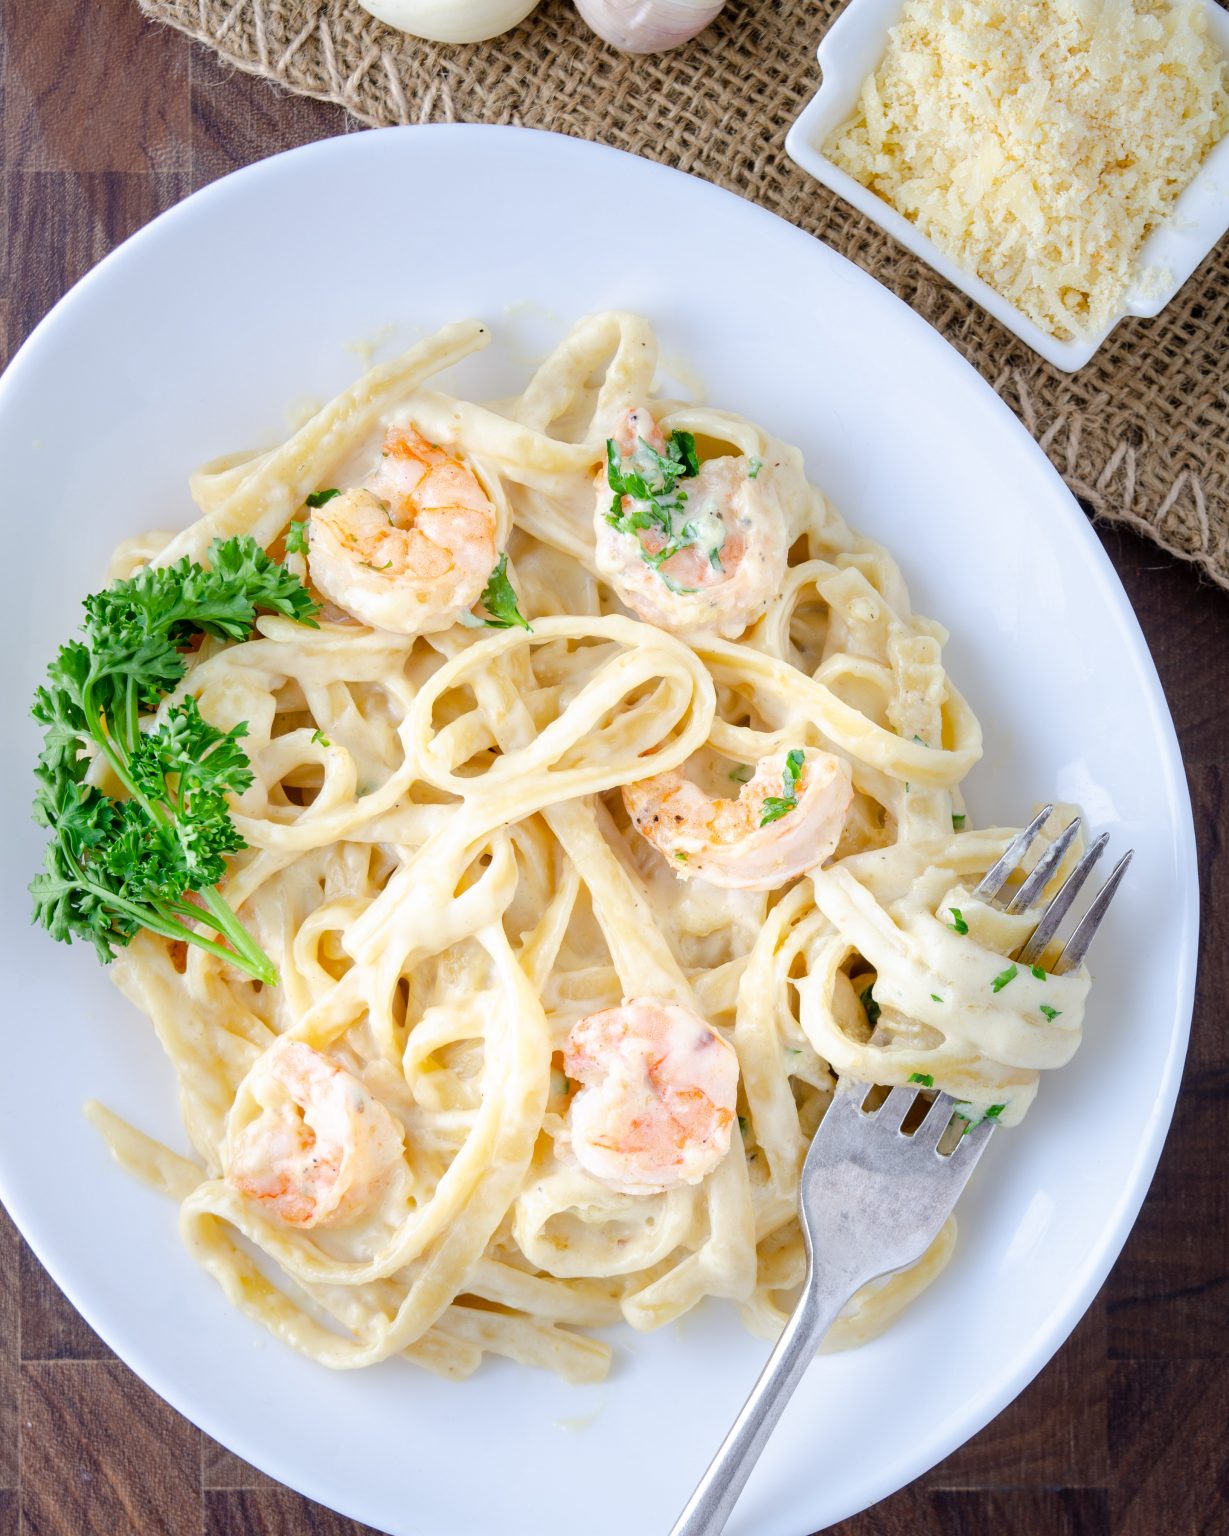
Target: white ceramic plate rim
x=852, y=47
x=126, y=1339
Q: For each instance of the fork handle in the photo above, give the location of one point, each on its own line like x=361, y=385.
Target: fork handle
x=711, y=1504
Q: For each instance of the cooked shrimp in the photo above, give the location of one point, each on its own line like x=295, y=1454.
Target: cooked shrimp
x=658, y=1096
x=413, y=548
x=707, y=552
x=788, y=818
x=322, y=1149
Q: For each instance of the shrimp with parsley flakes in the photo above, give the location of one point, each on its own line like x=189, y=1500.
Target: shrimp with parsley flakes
x=693, y=548
x=411, y=550
x=787, y=819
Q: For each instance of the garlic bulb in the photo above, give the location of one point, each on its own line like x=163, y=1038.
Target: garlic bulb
x=647, y=26
x=451, y=21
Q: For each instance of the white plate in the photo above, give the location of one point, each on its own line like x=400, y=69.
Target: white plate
x=852, y=48
x=190, y=341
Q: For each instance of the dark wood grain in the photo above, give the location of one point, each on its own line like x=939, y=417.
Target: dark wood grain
x=1209, y=785
x=59, y=224
x=273, y=1512
x=51, y=1327
x=222, y=1469
x=11, y=1248
x=236, y=119
x=980, y=1512
x=103, y=1454
x=1167, y=1421
x=1169, y=1294
x=93, y=88
x=106, y=120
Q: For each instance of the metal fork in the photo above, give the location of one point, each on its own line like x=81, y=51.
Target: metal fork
x=990, y=889
x=872, y=1198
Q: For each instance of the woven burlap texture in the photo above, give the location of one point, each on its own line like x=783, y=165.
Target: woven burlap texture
x=1141, y=435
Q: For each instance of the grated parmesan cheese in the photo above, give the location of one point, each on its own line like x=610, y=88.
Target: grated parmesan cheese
x=1039, y=142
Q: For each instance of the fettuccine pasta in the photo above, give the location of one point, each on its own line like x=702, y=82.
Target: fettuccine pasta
x=610, y=813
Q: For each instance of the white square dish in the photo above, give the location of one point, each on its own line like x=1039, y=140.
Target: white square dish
x=852, y=48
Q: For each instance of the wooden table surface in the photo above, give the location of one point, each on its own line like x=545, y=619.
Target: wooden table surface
x=106, y=122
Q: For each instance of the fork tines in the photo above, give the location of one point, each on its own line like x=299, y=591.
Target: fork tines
x=1060, y=904
x=929, y=1131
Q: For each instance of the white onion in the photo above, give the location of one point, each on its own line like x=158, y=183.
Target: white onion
x=451, y=21
x=647, y=26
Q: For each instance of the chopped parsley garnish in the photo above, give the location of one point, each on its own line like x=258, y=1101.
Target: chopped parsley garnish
x=500, y=601
x=958, y=821
x=973, y=1114
x=959, y=925
x=743, y=773
x=656, y=500
x=867, y=999
x=115, y=866
x=1039, y=972
x=318, y=498
x=320, y=739
x=935, y=998
x=1002, y=979
x=776, y=806
x=682, y=857
x=744, y=1125
x=385, y=567
x=1050, y=1013
x=924, y=1078
x=754, y=465
x=296, y=538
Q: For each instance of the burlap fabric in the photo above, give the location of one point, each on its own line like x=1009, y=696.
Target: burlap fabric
x=1141, y=435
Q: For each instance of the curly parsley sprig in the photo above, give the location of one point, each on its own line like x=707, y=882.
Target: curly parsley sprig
x=153, y=859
